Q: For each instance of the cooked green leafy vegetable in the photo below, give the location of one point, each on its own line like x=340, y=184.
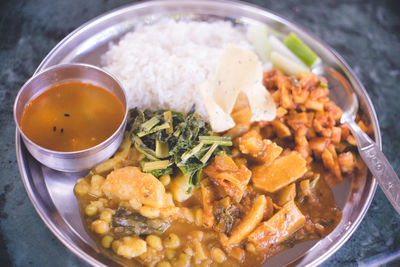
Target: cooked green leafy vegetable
x=126, y=222
x=171, y=139
x=226, y=214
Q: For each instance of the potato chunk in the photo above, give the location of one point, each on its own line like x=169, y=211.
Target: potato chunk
x=207, y=198
x=230, y=178
x=263, y=150
x=129, y=183
x=286, y=194
x=346, y=162
x=279, y=173
x=249, y=222
x=181, y=188
x=282, y=225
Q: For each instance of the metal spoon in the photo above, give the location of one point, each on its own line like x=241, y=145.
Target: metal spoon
x=342, y=93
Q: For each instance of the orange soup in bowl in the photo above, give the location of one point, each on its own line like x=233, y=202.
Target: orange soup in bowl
x=72, y=116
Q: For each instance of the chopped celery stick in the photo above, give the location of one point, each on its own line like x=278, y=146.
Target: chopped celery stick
x=142, y=148
x=162, y=149
x=148, y=125
x=278, y=46
x=188, y=154
x=155, y=129
x=161, y=127
x=178, y=131
x=155, y=165
x=205, y=158
x=215, y=138
x=219, y=140
x=141, y=134
x=258, y=36
x=286, y=65
x=300, y=49
x=168, y=118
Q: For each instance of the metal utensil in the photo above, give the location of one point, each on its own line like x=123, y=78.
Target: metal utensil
x=74, y=161
x=343, y=94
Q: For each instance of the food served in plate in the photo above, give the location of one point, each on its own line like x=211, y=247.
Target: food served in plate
x=246, y=177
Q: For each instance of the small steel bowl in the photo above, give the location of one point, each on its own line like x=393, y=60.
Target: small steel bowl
x=77, y=160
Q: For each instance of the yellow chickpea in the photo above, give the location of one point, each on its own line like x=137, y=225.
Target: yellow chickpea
x=131, y=247
x=183, y=261
x=172, y=241
x=99, y=204
x=188, y=214
x=169, y=200
x=170, y=254
x=198, y=217
x=115, y=245
x=189, y=251
x=196, y=235
x=149, y=212
x=237, y=253
x=106, y=241
x=97, y=181
x=165, y=179
x=163, y=264
x=100, y=227
x=218, y=255
x=251, y=248
x=154, y=242
x=200, y=253
x=133, y=203
x=91, y=210
x=95, y=185
x=82, y=187
x=106, y=215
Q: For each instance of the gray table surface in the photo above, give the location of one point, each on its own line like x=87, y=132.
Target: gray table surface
x=365, y=32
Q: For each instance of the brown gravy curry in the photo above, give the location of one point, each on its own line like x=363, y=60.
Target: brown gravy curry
x=272, y=191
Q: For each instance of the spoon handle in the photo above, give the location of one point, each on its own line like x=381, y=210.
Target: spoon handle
x=378, y=165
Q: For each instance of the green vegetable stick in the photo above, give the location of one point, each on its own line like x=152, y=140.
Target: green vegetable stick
x=288, y=66
x=205, y=158
x=142, y=148
x=155, y=165
x=162, y=149
x=188, y=154
x=146, y=126
x=300, y=49
x=155, y=129
x=219, y=140
x=168, y=118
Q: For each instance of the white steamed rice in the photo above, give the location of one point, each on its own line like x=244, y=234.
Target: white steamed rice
x=162, y=65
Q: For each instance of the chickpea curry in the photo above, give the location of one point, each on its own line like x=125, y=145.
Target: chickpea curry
x=235, y=199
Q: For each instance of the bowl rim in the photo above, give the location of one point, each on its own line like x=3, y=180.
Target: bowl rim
x=249, y=7
x=76, y=153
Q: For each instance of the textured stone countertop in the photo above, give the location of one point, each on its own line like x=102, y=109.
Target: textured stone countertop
x=365, y=32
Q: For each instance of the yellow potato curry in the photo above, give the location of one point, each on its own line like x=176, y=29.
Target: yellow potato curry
x=267, y=189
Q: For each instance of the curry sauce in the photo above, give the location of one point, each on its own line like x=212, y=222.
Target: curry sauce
x=271, y=191
x=72, y=116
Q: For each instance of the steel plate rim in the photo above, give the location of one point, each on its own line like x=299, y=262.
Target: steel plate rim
x=45, y=218
x=241, y=5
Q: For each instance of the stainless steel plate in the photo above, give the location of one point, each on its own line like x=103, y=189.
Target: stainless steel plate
x=51, y=192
